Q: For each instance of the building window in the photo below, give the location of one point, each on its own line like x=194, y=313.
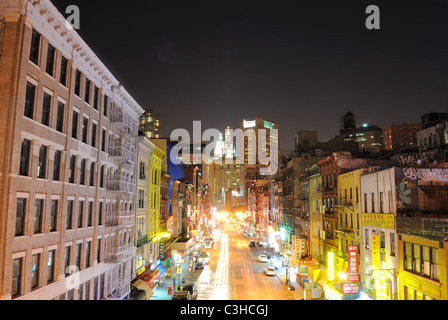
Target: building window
x=25, y=157
x=142, y=171
x=93, y=138
x=357, y=196
x=78, y=83
x=100, y=213
x=20, y=216
x=422, y=260
x=381, y=202
x=35, y=271
x=105, y=103
x=75, y=125
x=38, y=215
x=98, y=253
x=87, y=94
x=92, y=174
x=82, y=174
x=70, y=294
x=57, y=166
x=71, y=178
x=103, y=141
x=80, y=214
x=70, y=214
x=88, y=258
x=54, y=215
x=85, y=124
x=41, y=165
x=90, y=214
x=365, y=203
x=392, y=244
x=67, y=260
x=102, y=177
x=78, y=255
x=367, y=238
x=50, y=60
x=16, y=289
x=35, y=44
x=50, y=266
x=95, y=98
x=29, y=100
x=60, y=117
x=373, y=202
x=140, y=227
x=141, y=198
x=63, y=75
x=95, y=289
x=382, y=242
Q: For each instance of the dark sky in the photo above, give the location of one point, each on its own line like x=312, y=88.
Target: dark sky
x=303, y=64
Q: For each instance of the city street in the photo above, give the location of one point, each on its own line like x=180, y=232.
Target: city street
x=234, y=272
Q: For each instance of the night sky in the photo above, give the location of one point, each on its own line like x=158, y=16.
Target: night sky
x=303, y=64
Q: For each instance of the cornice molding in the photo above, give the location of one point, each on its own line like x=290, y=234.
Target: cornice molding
x=48, y=21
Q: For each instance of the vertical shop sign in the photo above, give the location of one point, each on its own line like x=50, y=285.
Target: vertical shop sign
x=352, y=257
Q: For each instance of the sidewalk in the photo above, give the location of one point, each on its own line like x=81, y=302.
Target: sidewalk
x=161, y=292
x=298, y=293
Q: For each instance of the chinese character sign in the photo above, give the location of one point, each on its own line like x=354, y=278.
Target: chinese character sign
x=376, y=259
x=352, y=259
x=381, y=284
x=330, y=266
x=154, y=254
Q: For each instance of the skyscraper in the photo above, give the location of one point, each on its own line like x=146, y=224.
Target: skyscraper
x=149, y=124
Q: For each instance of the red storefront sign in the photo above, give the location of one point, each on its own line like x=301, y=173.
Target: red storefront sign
x=352, y=259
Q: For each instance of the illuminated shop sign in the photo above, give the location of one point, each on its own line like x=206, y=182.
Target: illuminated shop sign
x=330, y=266
x=248, y=124
x=268, y=125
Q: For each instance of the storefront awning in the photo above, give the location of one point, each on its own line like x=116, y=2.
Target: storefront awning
x=142, y=285
x=149, y=277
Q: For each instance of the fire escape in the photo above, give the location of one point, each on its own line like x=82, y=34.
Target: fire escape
x=120, y=213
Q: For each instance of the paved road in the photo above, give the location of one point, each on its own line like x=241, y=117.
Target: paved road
x=234, y=272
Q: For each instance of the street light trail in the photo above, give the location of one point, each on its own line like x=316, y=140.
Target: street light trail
x=221, y=277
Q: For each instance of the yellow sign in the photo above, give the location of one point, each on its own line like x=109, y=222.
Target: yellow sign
x=330, y=266
x=378, y=220
x=381, y=284
x=376, y=259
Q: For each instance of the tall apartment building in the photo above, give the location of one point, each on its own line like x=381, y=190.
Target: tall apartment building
x=252, y=150
x=67, y=167
x=149, y=124
x=401, y=136
x=225, y=179
x=369, y=138
x=143, y=256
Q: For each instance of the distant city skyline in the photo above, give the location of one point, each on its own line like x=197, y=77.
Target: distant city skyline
x=300, y=64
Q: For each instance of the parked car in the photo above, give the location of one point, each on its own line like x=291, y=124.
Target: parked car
x=269, y=271
x=251, y=243
x=182, y=295
x=191, y=288
x=208, y=244
x=204, y=257
x=263, y=258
